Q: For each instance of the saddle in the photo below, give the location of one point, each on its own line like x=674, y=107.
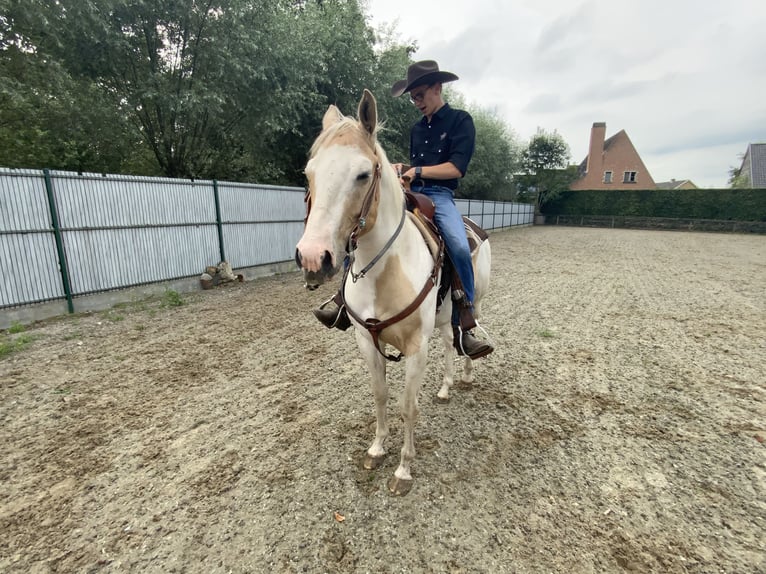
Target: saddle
x=422, y=206
x=422, y=211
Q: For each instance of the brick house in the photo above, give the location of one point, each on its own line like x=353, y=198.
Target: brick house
x=612, y=163
x=754, y=165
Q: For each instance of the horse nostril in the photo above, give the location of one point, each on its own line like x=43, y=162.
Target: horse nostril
x=298, y=258
x=327, y=262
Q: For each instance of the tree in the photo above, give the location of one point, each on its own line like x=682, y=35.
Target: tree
x=544, y=164
x=223, y=89
x=496, y=158
x=50, y=117
x=738, y=178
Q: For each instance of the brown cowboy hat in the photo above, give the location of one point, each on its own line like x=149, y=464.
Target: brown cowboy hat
x=421, y=73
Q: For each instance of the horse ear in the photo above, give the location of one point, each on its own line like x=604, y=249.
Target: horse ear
x=331, y=117
x=368, y=112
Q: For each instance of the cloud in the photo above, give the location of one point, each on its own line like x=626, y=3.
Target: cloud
x=685, y=79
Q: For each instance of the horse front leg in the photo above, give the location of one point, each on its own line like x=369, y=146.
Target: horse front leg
x=448, y=379
x=377, y=367
x=401, y=483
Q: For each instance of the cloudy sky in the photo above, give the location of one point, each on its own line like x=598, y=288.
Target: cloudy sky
x=686, y=79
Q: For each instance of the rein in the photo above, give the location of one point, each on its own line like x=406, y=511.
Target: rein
x=357, y=276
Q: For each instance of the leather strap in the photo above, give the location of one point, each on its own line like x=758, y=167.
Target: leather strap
x=375, y=326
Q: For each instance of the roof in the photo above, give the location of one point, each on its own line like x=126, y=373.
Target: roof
x=673, y=183
x=757, y=153
x=583, y=167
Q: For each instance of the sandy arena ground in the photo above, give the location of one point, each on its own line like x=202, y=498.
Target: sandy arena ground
x=618, y=427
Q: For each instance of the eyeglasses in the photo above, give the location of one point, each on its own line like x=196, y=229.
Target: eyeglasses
x=417, y=98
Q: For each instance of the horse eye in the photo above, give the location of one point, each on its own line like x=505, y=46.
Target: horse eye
x=363, y=176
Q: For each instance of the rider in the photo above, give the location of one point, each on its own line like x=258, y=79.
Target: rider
x=441, y=146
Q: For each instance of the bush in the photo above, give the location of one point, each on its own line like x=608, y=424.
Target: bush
x=722, y=204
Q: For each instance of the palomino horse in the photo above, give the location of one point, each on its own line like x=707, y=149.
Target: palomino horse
x=356, y=207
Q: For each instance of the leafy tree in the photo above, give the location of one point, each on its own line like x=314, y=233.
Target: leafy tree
x=48, y=117
x=738, y=178
x=495, y=160
x=544, y=164
x=226, y=89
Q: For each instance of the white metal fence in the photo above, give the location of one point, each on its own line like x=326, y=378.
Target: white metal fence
x=64, y=234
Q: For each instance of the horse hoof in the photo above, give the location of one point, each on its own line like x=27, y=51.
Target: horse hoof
x=441, y=401
x=372, y=462
x=399, y=486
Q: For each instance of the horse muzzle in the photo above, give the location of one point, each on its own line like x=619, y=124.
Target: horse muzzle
x=317, y=272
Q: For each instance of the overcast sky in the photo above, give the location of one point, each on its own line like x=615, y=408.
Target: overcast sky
x=686, y=79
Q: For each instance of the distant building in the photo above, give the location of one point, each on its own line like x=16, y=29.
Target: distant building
x=612, y=163
x=754, y=165
x=677, y=184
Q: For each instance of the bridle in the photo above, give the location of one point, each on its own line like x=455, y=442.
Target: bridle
x=376, y=326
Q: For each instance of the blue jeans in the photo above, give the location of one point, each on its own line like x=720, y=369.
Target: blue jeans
x=450, y=223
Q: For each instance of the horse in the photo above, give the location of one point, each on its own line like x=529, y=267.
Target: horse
x=356, y=218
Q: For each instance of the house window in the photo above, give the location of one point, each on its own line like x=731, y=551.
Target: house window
x=629, y=177
x=607, y=177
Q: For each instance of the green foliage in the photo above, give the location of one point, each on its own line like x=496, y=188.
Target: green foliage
x=171, y=298
x=723, y=204
x=496, y=157
x=16, y=327
x=223, y=89
x=10, y=345
x=545, y=171
x=738, y=179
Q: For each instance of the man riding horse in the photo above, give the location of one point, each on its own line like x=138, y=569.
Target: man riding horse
x=441, y=146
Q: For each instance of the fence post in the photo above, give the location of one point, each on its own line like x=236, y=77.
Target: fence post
x=218, y=222
x=59, y=240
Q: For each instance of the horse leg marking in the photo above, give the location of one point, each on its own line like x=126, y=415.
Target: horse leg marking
x=449, y=363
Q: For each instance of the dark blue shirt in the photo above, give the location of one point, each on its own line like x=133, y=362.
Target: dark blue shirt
x=449, y=137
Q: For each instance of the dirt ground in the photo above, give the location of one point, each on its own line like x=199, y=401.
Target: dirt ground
x=618, y=427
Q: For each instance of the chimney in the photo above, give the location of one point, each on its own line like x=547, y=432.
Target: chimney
x=596, y=149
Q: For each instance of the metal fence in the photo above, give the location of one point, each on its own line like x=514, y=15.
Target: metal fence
x=64, y=235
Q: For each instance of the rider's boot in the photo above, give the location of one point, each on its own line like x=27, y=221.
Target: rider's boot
x=333, y=316
x=464, y=340
x=468, y=345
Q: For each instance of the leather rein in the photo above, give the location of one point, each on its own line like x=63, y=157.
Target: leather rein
x=376, y=326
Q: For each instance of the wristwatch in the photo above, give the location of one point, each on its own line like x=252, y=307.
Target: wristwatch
x=419, y=172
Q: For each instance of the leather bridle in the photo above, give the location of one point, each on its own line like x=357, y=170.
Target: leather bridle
x=376, y=326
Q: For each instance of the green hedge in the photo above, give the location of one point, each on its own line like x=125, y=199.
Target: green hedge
x=722, y=204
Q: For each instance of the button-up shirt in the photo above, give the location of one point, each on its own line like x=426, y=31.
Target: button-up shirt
x=448, y=137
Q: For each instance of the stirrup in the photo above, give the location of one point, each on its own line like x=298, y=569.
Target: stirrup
x=485, y=348
x=332, y=318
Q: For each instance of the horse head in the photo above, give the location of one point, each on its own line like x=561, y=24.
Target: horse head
x=342, y=173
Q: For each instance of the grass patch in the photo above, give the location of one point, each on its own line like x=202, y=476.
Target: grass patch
x=546, y=334
x=16, y=327
x=171, y=298
x=10, y=345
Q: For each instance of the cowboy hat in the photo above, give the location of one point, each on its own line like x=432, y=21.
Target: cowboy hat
x=420, y=73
